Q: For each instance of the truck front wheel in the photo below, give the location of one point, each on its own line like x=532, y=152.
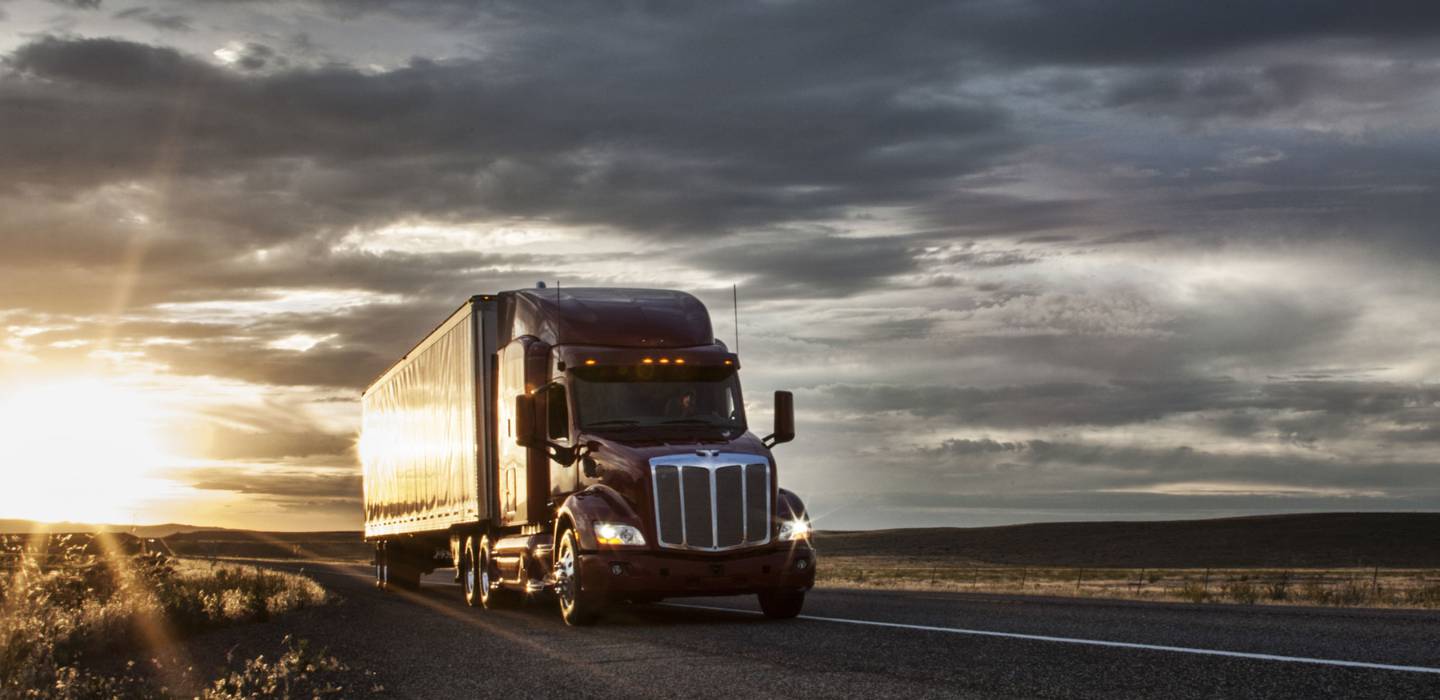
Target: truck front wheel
x=575, y=606
x=782, y=604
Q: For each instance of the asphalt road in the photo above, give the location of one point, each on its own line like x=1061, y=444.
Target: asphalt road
x=428, y=644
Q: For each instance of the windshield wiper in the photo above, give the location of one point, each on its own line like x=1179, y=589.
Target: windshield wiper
x=614, y=422
x=699, y=421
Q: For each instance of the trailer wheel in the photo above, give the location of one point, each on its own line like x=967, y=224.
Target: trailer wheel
x=782, y=604
x=576, y=607
x=470, y=576
x=492, y=596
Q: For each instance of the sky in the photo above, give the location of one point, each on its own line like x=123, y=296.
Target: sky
x=1019, y=261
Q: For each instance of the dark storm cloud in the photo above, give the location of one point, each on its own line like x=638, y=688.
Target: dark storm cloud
x=828, y=266
x=1110, y=32
x=1292, y=411
x=463, y=139
x=1206, y=93
x=1017, y=31
x=1104, y=467
x=158, y=19
x=1036, y=405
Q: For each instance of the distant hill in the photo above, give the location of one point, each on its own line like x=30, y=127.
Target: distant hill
x=15, y=527
x=1308, y=540
x=347, y=545
x=1409, y=540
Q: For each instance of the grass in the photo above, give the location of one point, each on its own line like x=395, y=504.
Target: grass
x=75, y=609
x=1353, y=587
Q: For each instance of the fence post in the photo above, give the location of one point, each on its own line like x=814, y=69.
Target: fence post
x=1023, y=572
x=932, y=574
x=974, y=577
x=1080, y=576
x=1205, y=587
x=1375, y=585
x=1139, y=581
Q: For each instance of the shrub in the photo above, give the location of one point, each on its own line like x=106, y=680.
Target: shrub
x=297, y=673
x=1280, y=589
x=1194, y=592
x=1242, y=592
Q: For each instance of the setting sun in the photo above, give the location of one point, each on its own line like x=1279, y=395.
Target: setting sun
x=79, y=449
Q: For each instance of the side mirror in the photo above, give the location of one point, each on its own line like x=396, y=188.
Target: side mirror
x=526, y=428
x=784, y=419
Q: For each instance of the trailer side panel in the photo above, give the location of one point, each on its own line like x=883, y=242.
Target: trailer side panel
x=419, y=447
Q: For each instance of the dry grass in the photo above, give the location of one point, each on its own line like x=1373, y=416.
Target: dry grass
x=72, y=608
x=1355, y=587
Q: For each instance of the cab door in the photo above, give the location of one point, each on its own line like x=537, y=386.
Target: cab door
x=524, y=476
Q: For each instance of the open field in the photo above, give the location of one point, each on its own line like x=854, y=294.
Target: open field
x=1317, y=540
x=1334, y=559
x=1375, y=587
x=333, y=546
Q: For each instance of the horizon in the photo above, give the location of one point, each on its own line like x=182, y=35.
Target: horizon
x=1019, y=263
x=48, y=527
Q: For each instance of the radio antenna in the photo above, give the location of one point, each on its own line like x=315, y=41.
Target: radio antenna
x=735, y=302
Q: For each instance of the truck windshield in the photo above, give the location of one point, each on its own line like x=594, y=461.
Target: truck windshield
x=647, y=396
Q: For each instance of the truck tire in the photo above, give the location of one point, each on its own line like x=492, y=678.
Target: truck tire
x=781, y=603
x=470, y=578
x=492, y=596
x=576, y=607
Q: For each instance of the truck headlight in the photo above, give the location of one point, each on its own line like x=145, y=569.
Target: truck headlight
x=616, y=534
x=797, y=529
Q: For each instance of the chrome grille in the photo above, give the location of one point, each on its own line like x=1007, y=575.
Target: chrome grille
x=711, y=501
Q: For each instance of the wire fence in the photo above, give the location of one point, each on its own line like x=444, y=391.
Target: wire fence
x=1372, y=586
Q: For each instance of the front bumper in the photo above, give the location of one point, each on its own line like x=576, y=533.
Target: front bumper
x=667, y=575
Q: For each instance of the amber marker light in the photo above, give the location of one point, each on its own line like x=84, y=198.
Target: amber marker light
x=679, y=360
x=664, y=360
x=647, y=361
x=729, y=362
x=590, y=361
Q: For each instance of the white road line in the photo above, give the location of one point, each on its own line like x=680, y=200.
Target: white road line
x=1094, y=642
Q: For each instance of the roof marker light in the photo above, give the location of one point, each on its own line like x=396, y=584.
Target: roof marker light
x=647, y=361
x=590, y=361
x=729, y=362
x=664, y=360
x=679, y=360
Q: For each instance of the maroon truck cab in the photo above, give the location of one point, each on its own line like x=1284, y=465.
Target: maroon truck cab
x=590, y=443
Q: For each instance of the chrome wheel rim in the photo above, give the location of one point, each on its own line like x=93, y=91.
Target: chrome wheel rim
x=470, y=580
x=565, y=574
x=484, y=575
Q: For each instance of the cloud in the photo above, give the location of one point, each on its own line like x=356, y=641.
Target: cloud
x=168, y=21
x=1200, y=94
x=1161, y=256
x=476, y=145
x=272, y=483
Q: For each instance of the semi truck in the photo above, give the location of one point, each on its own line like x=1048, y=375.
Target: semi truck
x=588, y=445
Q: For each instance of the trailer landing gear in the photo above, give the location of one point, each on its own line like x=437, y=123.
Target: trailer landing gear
x=394, y=570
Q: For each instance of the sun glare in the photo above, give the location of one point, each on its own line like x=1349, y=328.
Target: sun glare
x=82, y=450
